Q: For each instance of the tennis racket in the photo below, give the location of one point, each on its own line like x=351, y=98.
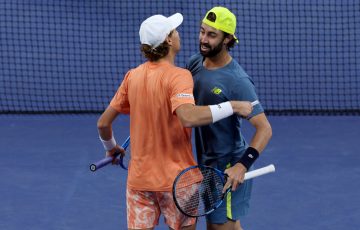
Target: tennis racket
x=197, y=190
x=124, y=160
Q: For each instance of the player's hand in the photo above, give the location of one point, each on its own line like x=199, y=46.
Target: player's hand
x=114, y=153
x=235, y=177
x=242, y=108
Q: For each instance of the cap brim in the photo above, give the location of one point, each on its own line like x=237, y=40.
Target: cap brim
x=176, y=20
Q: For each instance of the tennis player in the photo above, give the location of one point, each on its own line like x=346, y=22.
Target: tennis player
x=159, y=98
x=219, y=78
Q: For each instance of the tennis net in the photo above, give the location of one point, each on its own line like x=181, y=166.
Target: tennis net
x=70, y=56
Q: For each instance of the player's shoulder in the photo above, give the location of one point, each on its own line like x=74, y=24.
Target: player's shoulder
x=179, y=71
x=140, y=67
x=194, y=63
x=195, y=58
x=239, y=71
x=136, y=70
x=235, y=66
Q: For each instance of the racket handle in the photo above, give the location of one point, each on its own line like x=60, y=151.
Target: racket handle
x=100, y=164
x=259, y=172
x=107, y=160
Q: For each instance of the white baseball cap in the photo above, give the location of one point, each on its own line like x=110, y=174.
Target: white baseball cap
x=154, y=30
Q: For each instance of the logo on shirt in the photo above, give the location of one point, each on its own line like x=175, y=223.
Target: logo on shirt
x=216, y=90
x=184, y=95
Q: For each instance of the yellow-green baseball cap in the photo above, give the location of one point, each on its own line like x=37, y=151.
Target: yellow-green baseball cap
x=222, y=19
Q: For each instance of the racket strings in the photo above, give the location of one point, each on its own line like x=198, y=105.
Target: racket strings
x=199, y=192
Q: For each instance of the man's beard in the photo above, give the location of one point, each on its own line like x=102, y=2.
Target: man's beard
x=212, y=51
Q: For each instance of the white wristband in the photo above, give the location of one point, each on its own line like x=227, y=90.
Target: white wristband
x=221, y=111
x=110, y=144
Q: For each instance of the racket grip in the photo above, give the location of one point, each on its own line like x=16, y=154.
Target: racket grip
x=101, y=163
x=259, y=172
x=105, y=161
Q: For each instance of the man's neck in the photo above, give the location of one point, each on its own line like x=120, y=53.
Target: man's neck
x=222, y=59
x=169, y=58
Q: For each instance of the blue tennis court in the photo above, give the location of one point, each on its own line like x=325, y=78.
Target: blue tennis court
x=46, y=182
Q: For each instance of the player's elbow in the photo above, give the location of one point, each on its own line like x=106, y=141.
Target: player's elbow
x=262, y=126
x=103, y=124
x=188, y=121
x=187, y=115
x=267, y=130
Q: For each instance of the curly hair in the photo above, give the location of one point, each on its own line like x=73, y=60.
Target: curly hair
x=154, y=54
x=231, y=43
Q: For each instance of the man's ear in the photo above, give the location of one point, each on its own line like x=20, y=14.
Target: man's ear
x=169, y=40
x=227, y=39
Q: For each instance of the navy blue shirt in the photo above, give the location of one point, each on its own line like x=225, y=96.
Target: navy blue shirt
x=221, y=141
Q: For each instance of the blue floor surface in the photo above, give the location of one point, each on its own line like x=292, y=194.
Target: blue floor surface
x=45, y=182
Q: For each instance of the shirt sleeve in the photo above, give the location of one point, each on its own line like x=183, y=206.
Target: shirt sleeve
x=181, y=90
x=245, y=91
x=120, y=101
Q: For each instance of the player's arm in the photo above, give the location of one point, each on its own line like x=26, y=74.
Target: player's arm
x=104, y=125
x=258, y=143
x=263, y=132
x=191, y=115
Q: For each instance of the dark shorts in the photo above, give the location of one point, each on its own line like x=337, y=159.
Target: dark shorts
x=236, y=204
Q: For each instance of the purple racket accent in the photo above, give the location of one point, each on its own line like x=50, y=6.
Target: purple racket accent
x=107, y=160
x=125, y=159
